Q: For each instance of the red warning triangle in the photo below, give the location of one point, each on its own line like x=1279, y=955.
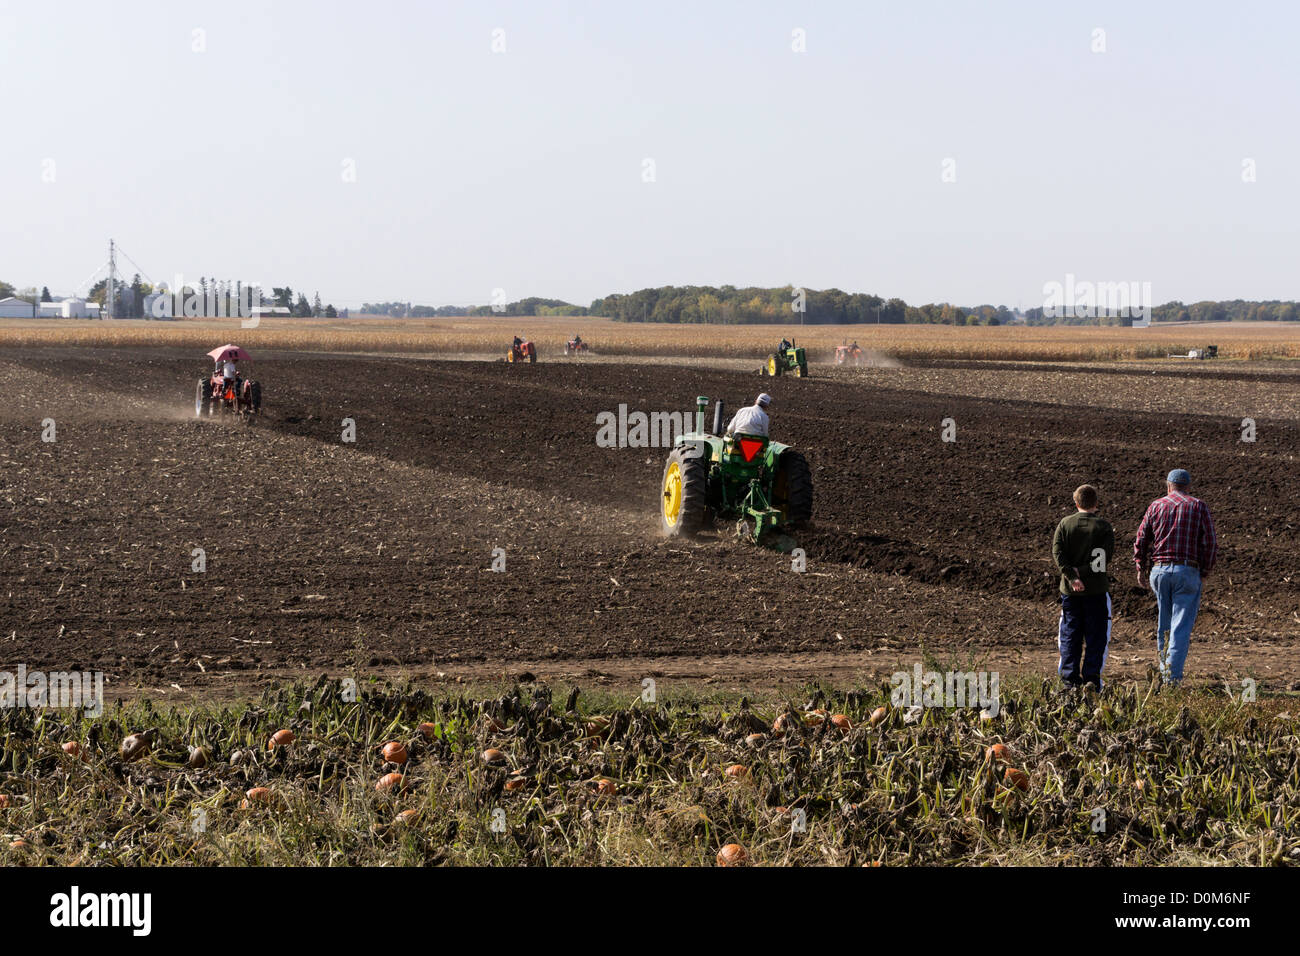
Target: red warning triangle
x=749, y=448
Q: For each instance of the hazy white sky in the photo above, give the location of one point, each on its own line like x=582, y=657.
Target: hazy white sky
x=524, y=169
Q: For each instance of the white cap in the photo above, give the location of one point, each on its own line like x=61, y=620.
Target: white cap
x=763, y=400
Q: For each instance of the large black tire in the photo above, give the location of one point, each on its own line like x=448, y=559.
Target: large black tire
x=203, y=398
x=693, y=510
x=792, y=491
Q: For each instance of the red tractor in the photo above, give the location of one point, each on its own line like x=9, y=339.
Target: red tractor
x=225, y=390
x=576, y=346
x=521, y=350
x=848, y=354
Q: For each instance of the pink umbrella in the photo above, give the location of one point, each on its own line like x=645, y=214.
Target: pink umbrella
x=229, y=352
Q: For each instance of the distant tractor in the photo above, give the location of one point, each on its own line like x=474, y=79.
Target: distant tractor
x=522, y=350
x=760, y=484
x=788, y=358
x=1209, y=352
x=575, y=346
x=217, y=395
x=848, y=354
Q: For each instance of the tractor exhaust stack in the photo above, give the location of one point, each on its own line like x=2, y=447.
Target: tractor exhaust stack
x=701, y=403
x=719, y=413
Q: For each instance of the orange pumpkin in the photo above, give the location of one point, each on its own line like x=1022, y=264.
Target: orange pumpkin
x=879, y=714
x=136, y=746
x=74, y=749
x=394, y=752
x=390, y=781
x=1016, y=778
x=606, y=787
x=515, y=783
x=733, y=854
x=257, y=795
x=738, y=770
x=281, y=738
x=428, y=729
x=842, y=722
x=997, y=752
x=493, y=756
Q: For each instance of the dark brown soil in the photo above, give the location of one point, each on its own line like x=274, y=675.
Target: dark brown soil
x=325, y=555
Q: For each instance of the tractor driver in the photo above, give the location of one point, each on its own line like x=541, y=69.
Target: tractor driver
x=785, y=344
x=751, y=420
x=229, y=374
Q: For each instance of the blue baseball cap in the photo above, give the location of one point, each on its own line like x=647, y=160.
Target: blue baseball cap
x=1179, y=476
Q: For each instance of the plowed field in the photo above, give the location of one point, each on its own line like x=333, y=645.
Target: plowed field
x=377, y=554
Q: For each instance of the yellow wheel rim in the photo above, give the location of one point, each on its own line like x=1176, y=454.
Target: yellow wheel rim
x=673, y=493
x=798, y=371
x=771, y=367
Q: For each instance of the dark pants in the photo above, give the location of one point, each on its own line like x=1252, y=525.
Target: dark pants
x=1083, y=637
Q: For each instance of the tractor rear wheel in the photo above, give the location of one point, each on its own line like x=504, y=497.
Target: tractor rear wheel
x=683, y=502
x=792, y=491
x=202, y=398
x=773, y=366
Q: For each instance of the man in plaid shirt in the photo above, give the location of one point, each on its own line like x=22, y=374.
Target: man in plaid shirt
x=1177, y=547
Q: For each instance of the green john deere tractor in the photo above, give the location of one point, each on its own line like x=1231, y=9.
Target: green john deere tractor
x=760, y=484
x=790, y=359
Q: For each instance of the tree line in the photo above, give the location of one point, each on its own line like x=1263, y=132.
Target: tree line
x=712, y=305
x=729, y=305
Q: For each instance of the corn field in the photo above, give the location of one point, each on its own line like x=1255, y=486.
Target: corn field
x=490, y=337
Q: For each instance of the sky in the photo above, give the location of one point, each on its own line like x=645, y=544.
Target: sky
x=436, y=152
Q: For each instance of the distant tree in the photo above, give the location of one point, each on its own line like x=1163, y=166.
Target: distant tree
x=331, y=312
x=283, y=296
x=137, y=297
x=303, y=309
x=316, y=309
x=45, y=294
x=6, y=290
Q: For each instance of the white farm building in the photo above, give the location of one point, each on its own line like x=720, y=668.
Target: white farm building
x=15, y=308
x=73, y=308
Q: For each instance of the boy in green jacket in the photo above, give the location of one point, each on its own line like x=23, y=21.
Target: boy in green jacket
x=1082, y=548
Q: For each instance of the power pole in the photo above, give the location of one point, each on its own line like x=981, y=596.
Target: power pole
x=112, y=268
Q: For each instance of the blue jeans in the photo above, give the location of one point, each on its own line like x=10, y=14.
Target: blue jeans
x=1083, y=637
x=1178, y=594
